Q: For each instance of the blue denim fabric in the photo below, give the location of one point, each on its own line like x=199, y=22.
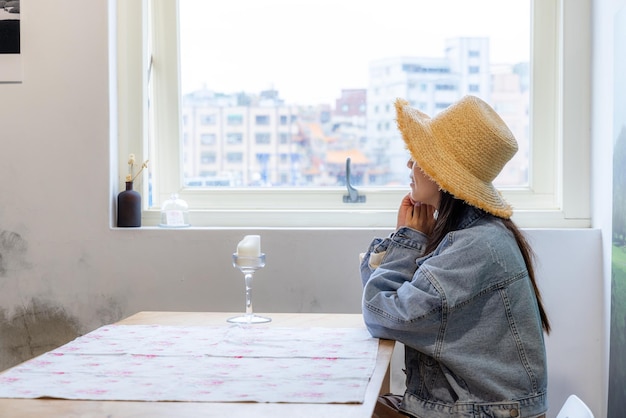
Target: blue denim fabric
x=468, y=317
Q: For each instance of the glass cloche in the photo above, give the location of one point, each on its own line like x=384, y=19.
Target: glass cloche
x=174, y=213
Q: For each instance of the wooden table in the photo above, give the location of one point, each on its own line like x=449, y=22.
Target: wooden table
x=379, y=382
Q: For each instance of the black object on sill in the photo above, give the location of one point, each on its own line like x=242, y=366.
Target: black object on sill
x=129, y=207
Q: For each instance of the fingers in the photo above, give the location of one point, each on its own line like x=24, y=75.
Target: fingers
x=421, y=218
x=423, y=210
x=416, y=215
x=405, y=212
x=407, y=201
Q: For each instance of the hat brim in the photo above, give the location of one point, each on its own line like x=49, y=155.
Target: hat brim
x=419, y=137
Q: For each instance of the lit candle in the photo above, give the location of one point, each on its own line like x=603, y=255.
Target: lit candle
x=250, y=246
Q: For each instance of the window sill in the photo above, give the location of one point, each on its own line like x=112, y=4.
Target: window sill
x=345, y=219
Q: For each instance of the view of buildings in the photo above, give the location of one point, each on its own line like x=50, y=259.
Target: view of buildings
x=256, y=139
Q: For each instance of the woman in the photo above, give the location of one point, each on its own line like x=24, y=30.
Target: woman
x=455, y=283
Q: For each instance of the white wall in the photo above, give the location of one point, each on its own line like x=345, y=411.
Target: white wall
x=64, y=271
x=603, y=137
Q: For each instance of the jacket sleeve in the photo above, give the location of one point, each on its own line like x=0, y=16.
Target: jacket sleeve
x=396, y=294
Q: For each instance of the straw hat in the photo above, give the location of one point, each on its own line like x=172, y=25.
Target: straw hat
x=463, y=148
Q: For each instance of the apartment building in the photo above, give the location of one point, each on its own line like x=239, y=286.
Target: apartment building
x=258, y=140
x=240, y=140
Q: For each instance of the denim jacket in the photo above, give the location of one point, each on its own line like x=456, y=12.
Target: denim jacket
x=468, y=317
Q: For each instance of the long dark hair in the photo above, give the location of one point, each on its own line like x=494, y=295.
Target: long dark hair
x=450, y=211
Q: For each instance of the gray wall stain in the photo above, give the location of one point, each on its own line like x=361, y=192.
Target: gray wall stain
x=42, y=325
x=32, y=330
x=109, y=312
x=12, y=252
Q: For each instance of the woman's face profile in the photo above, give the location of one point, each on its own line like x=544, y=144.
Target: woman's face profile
x=423, y=189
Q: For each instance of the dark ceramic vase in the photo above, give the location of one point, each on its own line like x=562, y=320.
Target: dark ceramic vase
x=128, y=207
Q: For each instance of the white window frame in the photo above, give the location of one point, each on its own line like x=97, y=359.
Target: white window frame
x=559, y=179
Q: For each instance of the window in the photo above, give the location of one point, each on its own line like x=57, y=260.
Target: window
x=263, y=120
x=234, y=138
x=204, y=119
x=557, y=163
x=208, y=158
x=234, y=120
x=262, y=138
x=208, y=139
x=234, y=157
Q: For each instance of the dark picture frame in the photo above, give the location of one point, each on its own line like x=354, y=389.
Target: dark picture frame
x=10, y=27
x=10, y=41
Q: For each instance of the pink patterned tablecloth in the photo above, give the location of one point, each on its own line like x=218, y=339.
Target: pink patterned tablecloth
x=202, y=364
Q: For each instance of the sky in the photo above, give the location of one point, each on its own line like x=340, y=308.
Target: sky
x=303, y=49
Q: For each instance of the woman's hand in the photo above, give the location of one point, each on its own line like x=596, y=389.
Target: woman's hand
x=416, y=215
